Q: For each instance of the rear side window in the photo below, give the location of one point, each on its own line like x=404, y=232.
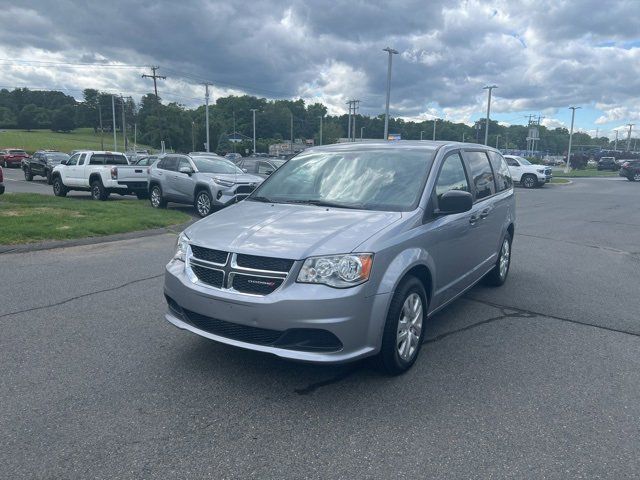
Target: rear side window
x=17, y=152
x=481, y=174
x=501, y=171
x=452, y=176
x=169, y=163
x=108, y=159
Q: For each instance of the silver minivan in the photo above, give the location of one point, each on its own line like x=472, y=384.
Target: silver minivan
x=344, y=251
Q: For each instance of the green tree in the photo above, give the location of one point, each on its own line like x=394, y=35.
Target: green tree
x=63, y=119
x=27, y=117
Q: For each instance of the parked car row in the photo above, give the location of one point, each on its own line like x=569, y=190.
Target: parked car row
x=11, y=157
x=630, y=169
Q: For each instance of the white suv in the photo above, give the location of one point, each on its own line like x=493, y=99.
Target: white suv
x=526, y=173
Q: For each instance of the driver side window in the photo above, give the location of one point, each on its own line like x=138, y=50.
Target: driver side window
x=452, y=176
x=512, y=162
x=73, y=160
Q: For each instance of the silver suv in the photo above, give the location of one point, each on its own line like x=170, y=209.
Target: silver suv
x=345, y=250
x=204, y=182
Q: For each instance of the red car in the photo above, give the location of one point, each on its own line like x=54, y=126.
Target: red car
x=11, y=157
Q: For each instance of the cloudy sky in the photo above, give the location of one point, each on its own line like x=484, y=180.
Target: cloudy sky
x=544, y=55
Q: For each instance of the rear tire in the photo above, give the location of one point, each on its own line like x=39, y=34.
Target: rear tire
x=404, y=328
x=529, y=181
x=28, y=175
x=98, y=192
x=155, y=197
x=498, y=274
x=59, y=190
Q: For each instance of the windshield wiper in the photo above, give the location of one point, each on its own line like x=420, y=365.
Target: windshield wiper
x=325, y=203
x=258, y=198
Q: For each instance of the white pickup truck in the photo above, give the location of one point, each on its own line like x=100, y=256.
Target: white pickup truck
x=100, y=173
x=527, y=174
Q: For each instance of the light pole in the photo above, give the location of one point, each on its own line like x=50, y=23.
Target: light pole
x=573, y=116
x=497, y=139
x=615, y=145
x=113, y=114
x=489, y=88
x=391, y=52
x=361, y=133
x=434, y=128
x=254, y=130
x=421, y=132
x=630, y=125
x=193, y=136
x=206, y=111
x=320, y=117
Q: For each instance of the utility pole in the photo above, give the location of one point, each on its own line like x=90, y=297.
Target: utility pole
x=497, y=140
x=206, y=112
x=391, y=53
x=101, y=130
x=630, y=125
x=486, y=130
x=350, y=103
x=155, y=78
x=254, y=130
x=113, y=115
x=320, y=117
x=615, y=145
x=573, y=115
x=193, y=137
x=124, y=123
x=135, y=137
x=291, y=113
x=421, y=132
x=434, y=128
x=361, y=133
x=462, y=137
x=234, y=133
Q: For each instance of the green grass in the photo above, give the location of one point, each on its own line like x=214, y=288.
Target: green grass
x=81, y=138
x=559, y=180
x=30, y=217
x=588, y=172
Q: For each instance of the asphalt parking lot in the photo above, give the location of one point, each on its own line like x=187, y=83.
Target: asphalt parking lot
x=537, y=379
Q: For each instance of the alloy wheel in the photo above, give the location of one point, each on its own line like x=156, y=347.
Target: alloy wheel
x=56, y=187
x=409, y=327
x=155, y=197
x=528, y=182
x=95, y=192
x=636, y=177
x=505, y=256
x=203, y=204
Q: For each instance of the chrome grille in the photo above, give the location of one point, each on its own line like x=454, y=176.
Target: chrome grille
x=248, y=274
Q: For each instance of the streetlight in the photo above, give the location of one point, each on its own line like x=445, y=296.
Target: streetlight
x=254, y=129
x=421, y=132
x=361, y=133
x=573, y=116
x=497, y=139
x=434, y=128
x=391, y=52
x=320, y=117
x=630, y=125
x=486, y=131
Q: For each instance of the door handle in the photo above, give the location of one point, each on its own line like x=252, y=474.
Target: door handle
x=473, y=219
x=484, y=214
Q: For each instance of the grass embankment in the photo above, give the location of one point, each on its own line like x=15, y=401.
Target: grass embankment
x=29, y=217
x=81, y=138
x=587, y=172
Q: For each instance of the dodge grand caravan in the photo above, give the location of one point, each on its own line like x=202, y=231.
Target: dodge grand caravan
x=344, y=251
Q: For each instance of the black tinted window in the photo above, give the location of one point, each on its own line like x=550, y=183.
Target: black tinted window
x=452, y=176
x=481, y=174
x=501, y=171
x=512, y=162
x=108, y=159
x=169, y=163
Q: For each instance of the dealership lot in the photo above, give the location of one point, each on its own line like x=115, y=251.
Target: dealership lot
x=540, y=378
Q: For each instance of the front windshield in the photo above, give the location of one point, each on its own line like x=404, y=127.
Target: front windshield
x=208, y=165
x=384, y=179
x=524, y=161
x=57, y=157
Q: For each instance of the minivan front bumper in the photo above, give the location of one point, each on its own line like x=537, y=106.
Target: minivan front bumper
x=349, y=315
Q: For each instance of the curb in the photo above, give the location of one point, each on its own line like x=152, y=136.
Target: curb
x=50, y=245
x=569, y=182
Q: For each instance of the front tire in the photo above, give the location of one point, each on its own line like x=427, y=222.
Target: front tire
x=155, y=197
x=529, y=181
x=98, y=192
x=404, y=328
x=59, y=190
x=635, y=177
x=203, y=203
x=498, y=274
x=49, y=179
x=28, y=175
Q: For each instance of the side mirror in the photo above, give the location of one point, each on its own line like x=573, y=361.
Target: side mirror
x=268, y=172
x=186, y=170
x=454, y=201
x=63, y=162
x=245, y=170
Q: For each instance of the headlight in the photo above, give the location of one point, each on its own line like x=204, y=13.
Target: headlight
x=224, y=183
x=340, y=271
x=181, y=247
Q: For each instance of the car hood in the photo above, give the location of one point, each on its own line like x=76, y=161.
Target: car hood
x=286, y=230
x=234, y=177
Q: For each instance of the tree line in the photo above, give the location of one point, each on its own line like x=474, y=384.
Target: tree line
x=183, y=129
